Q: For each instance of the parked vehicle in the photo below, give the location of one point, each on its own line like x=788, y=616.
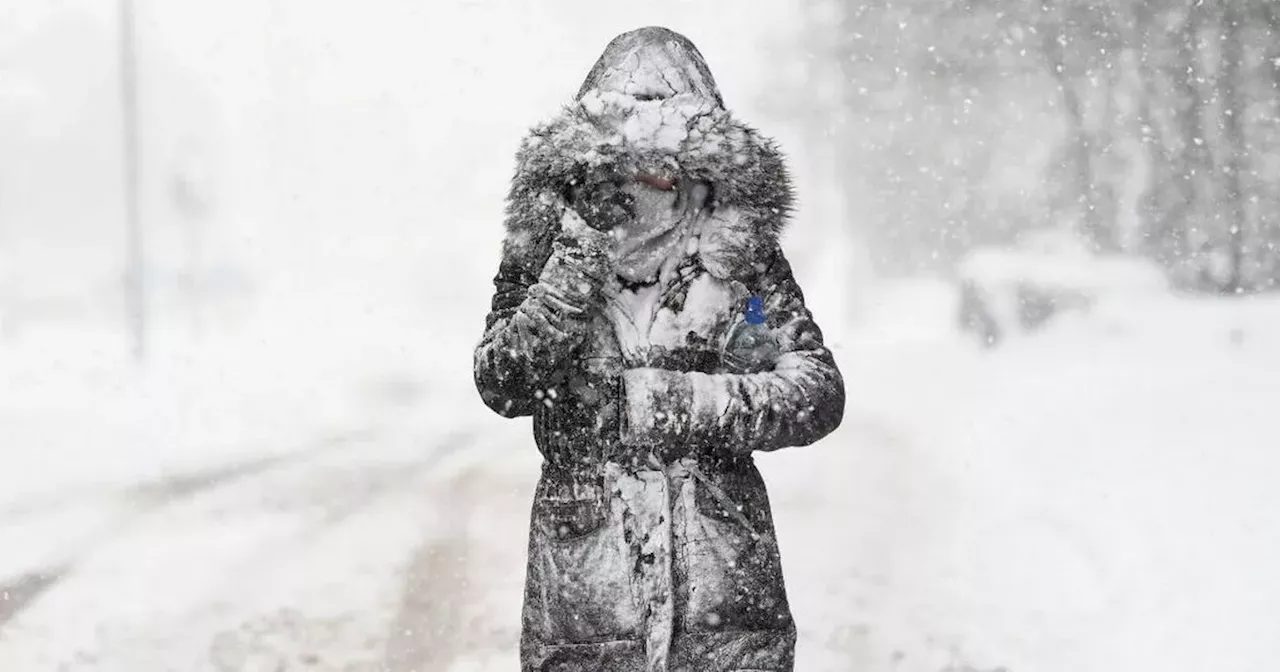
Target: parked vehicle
x=1005, y=291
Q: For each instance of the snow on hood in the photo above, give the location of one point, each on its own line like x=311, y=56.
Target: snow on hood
x=650, y=85
x=650, y=105
x=652, y=63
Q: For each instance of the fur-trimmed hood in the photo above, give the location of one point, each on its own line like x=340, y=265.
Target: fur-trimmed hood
x=650, y=105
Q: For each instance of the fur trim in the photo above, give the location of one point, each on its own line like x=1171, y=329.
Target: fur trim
x=751, y=188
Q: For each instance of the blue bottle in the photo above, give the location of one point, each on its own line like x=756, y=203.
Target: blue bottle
x=751, y=346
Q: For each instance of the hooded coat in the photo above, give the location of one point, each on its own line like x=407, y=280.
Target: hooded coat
x=651, y=544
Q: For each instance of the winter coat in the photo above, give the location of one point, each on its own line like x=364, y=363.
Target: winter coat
x=651, y=544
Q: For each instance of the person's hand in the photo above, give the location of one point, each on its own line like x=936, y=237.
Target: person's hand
x=633, y=416
x=601, y=202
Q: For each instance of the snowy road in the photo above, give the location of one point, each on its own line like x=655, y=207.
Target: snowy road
x=1095, y=498
x=311, y=484
x=254, y=566
x=358, y=553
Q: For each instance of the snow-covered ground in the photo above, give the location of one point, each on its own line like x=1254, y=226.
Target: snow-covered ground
x=1095, y=497
x=302, y=477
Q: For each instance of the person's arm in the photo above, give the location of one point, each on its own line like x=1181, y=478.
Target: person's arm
x=556, y=259
x=553, y=266
x=798, y=402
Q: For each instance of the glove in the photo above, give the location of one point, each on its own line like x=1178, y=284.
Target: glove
x=573, y=278
x=601, y=202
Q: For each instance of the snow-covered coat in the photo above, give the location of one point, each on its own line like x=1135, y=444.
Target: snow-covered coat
x=652, y=544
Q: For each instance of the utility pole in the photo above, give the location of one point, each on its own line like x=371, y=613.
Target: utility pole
x=135, y=258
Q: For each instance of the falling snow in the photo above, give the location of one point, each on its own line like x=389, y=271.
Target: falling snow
x=1040, y=238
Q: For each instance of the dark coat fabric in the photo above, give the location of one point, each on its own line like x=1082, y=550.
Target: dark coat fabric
x=651, y=544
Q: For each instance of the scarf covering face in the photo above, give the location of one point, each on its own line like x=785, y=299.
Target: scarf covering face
x=666, y=224
x=649, y=87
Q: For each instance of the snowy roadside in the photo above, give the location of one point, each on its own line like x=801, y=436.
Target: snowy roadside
x=1095, y=497
x=291, y=563
x=1066, y=503
x=1046, y=506
x=318, y=559
x=203, y=510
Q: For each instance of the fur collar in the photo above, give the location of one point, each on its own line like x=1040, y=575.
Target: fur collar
x=751, y=196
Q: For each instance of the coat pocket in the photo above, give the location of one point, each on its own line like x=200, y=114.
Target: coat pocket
x=578, y=563
x=564, y=522
x=734, y=499
x=569, y=505
x=732, y=557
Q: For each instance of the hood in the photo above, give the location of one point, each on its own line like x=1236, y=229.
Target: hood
x=650, y=105
x=650, y=89
x=652, y=63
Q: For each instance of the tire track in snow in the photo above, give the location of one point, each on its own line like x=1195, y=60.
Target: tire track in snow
x=324, y=489
x=156, y=492
x=187, y=485
x=19, y=591
x=142, y=500
x=428, y=627
x=463, y=589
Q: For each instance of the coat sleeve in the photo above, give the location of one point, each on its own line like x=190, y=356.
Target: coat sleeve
x=798, y=402
x=549, y=279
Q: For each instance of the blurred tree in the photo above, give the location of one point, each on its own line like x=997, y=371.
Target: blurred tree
x=1233, y=142
x=1079, y=41
x=916, y=113
x=1146, y=126
x=1171, y=129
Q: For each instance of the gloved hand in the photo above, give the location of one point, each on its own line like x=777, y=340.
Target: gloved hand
x=600, y=201
x=573, y=279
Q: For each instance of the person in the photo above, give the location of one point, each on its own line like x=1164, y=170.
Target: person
x=641, y=242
